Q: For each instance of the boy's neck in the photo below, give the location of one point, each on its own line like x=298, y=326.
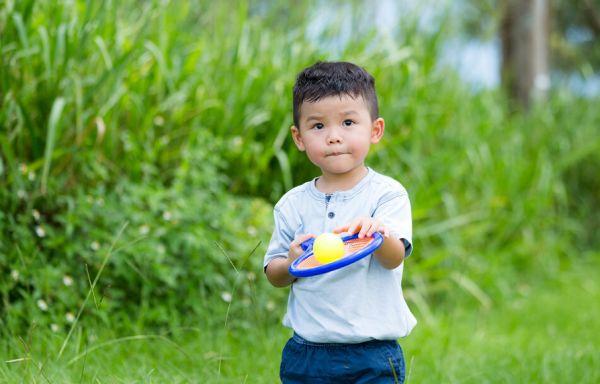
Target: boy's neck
x=329, y=183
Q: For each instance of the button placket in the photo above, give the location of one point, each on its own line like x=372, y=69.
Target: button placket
x=330, y=211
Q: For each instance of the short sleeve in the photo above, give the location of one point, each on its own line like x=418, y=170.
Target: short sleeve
x=394, y=212
x=280, y=239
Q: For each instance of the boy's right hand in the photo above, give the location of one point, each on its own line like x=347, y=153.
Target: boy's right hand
x=278, y=269
x=295, y=249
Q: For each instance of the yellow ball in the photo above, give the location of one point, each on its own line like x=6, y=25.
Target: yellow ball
x=328, y=247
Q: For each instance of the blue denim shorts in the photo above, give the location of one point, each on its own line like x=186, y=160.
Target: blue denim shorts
x=376, y=361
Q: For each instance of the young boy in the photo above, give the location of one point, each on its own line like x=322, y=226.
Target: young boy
x=346, y=322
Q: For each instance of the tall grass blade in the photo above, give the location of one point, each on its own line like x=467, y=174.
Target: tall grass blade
x=21, y=30
x=129, y=338
x=450, y=224
x=471, y=287
x=286, y=170
x=46, y=49
x=106, y=258
x=55, y=115
x=60, y=56
x=104, y=52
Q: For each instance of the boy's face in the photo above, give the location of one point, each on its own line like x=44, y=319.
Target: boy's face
x=336, y=133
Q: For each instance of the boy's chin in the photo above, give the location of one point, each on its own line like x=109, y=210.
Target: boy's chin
x=339, y=170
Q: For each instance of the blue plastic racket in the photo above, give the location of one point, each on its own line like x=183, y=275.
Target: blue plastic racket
x=354, y=249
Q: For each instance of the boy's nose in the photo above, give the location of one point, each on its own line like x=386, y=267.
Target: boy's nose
x=333, y=137
x=334, y=140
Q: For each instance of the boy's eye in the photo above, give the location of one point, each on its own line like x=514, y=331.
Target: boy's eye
x=348, y=122
x=318, y=126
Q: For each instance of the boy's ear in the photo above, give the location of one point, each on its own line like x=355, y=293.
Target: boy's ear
x=377, y=130
x=297, y=137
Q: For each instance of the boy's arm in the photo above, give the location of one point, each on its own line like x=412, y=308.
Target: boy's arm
x=391, y=253
x=277, y=270
x=394, y=213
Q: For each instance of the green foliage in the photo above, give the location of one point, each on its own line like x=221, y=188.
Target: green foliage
x=172, y=118
x=140, y=87
x=183, y=246
x=574, y=28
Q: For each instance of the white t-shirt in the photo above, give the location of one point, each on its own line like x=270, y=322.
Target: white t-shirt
x=364, y=300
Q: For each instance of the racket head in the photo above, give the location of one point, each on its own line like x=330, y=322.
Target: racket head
x=354, y=249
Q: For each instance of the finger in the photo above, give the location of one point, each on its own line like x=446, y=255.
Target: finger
x=364, y=227
x=301, y=239
x=371, y=230
x=341, y=229
x=353, y=228
x=373, y=226
x=381, y=229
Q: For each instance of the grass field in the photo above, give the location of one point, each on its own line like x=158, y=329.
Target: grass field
x=546, y=333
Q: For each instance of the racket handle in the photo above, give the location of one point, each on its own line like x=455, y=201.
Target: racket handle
x=307, y=244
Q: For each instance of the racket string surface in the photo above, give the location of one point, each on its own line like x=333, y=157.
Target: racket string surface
x=350, y=247
x=354, y=250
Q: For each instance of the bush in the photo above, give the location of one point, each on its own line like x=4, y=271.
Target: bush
x=173, y=258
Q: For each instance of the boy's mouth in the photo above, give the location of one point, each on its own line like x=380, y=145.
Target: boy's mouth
x=335, y=154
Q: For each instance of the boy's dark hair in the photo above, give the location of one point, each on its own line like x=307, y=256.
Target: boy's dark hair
x=324, y=79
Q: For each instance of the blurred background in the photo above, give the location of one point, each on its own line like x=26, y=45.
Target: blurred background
x=143, y=145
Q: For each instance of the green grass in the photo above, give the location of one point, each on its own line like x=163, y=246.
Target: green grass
x=545, y=333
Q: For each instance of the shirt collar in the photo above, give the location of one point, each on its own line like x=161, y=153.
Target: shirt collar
x=342, y=195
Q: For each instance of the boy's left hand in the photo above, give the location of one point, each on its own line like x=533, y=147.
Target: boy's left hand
x=365, y=226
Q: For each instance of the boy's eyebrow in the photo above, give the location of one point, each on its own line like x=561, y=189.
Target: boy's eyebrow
x=319, y=117
x=314, y=117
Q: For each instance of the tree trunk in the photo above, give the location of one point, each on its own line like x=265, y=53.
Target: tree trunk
x=524, y=34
